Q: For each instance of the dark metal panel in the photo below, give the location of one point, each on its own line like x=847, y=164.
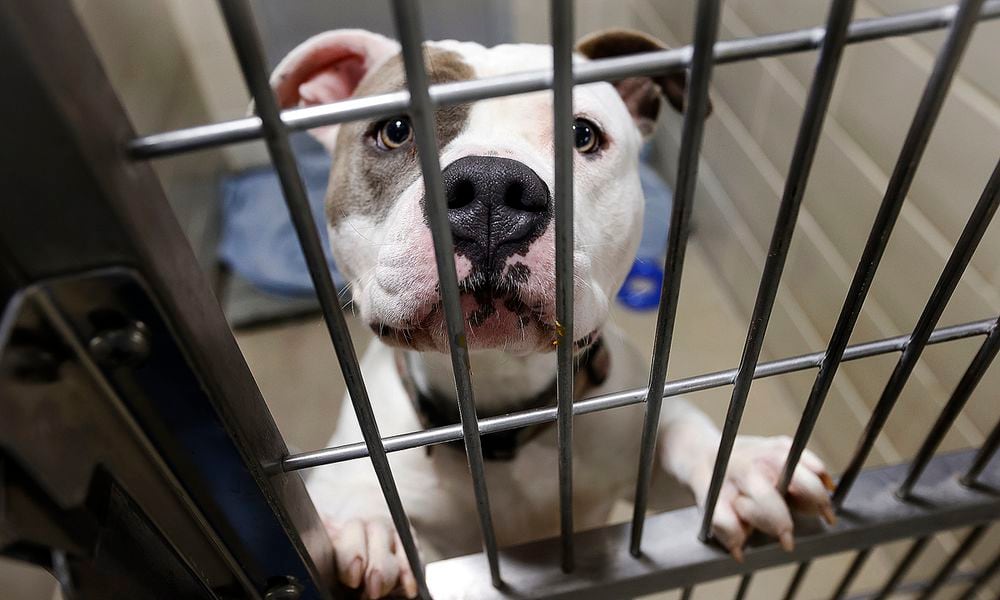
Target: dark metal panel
x=78, y=202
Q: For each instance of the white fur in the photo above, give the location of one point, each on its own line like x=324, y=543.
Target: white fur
x=390, y=266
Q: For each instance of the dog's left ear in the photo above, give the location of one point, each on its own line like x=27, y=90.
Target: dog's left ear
x=328, y=67
x=640, y=94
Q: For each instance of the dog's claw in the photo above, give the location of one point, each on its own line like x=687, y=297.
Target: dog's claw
x=354, y=573
x=787, y=541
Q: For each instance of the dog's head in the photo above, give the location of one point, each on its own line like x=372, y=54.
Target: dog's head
x=497, y=161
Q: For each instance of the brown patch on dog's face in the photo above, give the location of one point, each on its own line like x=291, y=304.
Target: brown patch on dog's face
x=366, y=179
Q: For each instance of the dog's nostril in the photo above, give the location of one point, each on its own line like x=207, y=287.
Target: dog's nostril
x=514, y=195
x=461, y=194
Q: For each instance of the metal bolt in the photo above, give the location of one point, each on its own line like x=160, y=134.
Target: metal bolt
x=126, y=346
x=288, y=589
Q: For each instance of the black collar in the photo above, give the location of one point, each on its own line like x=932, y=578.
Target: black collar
x=434, y=410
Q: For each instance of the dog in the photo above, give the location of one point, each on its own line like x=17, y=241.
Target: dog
x=497, y=169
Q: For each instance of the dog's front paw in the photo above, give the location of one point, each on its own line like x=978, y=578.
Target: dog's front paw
x=370, y=556
x=749, y=498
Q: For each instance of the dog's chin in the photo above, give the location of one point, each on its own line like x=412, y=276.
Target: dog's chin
x=491, y=323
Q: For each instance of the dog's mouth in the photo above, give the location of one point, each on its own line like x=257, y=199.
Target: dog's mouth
x=500, y=312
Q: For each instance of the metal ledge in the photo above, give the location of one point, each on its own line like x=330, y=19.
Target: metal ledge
x=673, y=557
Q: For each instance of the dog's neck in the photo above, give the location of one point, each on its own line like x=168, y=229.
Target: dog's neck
x=500, y=380
x=503, y=383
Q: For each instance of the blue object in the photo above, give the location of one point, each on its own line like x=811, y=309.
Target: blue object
x=257, y=239
x=641, y=290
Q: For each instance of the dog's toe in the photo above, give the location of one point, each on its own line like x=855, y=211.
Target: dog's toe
x=369, y=556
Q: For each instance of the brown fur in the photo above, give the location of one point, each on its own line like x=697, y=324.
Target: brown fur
x=367, y=180
x=640, y=94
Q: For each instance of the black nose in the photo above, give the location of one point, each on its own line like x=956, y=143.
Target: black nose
x=496, y=207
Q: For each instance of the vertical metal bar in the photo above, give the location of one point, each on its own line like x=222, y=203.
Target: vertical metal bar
x=970, y=379
x=983, y=457
x=797, y=578
x=976, y=226
x=902, y=568
x=899, y=184
x=852, y=573
x=687, y=593
x=741, y=591
x=984, y=576
x=562, y=113
x=408, y=26
x=952, y=563
x=696, y=108
x=246, y=42
x=798, y=175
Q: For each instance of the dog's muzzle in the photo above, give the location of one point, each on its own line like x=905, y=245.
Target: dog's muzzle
x=496, y=207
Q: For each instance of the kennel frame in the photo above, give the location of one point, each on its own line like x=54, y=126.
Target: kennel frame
x=420, y=101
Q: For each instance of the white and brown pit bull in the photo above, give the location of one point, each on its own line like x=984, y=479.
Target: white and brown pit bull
x=497, y=157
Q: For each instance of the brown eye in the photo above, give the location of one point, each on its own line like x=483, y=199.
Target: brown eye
x=394, y=133
x=586, y=136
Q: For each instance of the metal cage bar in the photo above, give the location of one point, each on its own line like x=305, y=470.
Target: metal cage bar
x=440, y=435
x=973, y=232
x=562, y=113
x=408, y=26
x=903, y=567
x=446, y=94
x=797, y=579
x=246, y=41
x=851, y=574
x=696, y=109
x=810, y=128
x=983, y=456
x=952, y=563
x=896, y=190
x=744, y=586
x=982, y=579
x=963, y=391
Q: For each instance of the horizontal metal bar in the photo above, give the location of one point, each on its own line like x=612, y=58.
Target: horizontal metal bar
x=673, y=557
x=447, y=94
x=440, y=435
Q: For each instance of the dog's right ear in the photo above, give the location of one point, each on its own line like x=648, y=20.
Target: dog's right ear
x=641, y=95
x=328, y=67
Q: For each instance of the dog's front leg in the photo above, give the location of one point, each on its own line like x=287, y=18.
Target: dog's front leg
x=748, y=499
